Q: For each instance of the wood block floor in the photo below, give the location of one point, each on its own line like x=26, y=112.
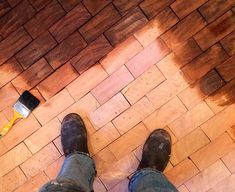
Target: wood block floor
x=127, y=67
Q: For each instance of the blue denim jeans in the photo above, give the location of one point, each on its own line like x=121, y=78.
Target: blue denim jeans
x=78, y=173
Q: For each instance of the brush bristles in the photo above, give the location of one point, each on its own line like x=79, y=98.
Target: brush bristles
x=28, y=100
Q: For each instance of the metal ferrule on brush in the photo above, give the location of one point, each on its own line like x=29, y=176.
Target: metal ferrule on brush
x=22, y=109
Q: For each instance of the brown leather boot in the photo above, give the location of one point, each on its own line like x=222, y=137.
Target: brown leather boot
x=73, y=134
x=156, y=151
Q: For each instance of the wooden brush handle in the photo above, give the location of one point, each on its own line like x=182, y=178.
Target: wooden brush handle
x=7, y=127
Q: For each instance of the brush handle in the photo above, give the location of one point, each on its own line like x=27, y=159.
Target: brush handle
x=7, y=127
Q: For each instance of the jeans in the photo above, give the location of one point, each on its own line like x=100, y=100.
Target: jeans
x=78, y=173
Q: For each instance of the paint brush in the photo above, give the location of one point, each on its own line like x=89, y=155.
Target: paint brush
x=22, y=108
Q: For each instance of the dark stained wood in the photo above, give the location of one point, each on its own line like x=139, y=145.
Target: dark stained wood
x=205, y=62
x=229, y=43
x=66, y=50
x=13, y=3
x=184, y=30
x=94, y=6
x=91, y=54
x=126, y=26
x=124, y=6
x=69, y=4
x=39, y=4
x=36, y=49
x=4, y=7
x=213, y=9
x=44, y=19
x=184, y=7
x=13, y=43
x=216, y=31
x=69, y=23
x=32, y=76
x=153, y=7
x=98, y=24
x=227, y=69
x=15, y=18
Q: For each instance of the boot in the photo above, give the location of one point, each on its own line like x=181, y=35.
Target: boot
x=156, y=151
x=73, y=135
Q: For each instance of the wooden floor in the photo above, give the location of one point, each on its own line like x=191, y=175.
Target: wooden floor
x=127, y=67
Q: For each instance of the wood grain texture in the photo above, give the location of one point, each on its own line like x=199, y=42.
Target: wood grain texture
x=227, y=69
x=94, y=6
x=91, y=54
x=98, y=24
x=4, y=7
x=126, y=26
x=69, y=4
x=229, y=43
x=39, y=4
x=125, y=6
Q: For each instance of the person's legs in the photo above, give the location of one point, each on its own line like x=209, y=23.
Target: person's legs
x=78, y=170
x=156, y=154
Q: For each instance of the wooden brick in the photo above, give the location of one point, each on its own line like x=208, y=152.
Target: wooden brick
x=36, y=49
x=165, y=115
x=32, y=76
x=14, y=19
x=229, y=43
x=134, y=115
x=34, y=183
x=4, y=7
x=3, y=148
x=198, y=91
x=183, y=7
x=20, y=131
x=227, y=69
x=191, y=120
x=112, y=85
x=57, y=81
x=40, y=160
x=147, y=58
x=8, y=96
x=213, y=32
x=208, y=178
x=38, y=95
x=212, y=152
x=58, y=144
x=219, y=123
x=109, y=110
x=68, y=5
x=167, y=90
x=84, y=107
x=229, y=161
x=103, y=137
x=100, y=23
x=188, y=145
x=53, y=169
x=143, y=84
x=44, y=19
x=153, y=7
x=205, y=62
x=70, y=22
x=121, y=54
x=123, y=168
x=211, y=10
x=129, y=141
x=125, y=6
x=94, y=6
x=182, y=172
x=225, y=185
x=66, y=50
x=39, y=4
x=91, y=54
x=12, y=44
x=222, y=98
x=43, y=136
x=98, y=185
x=95, y=74
x=12, y=180
x=13, y=158
x=183, y=188
x=184, y=29
x=182, y=55
x=9, y=70
x=53, y=107
x=122, y=186
x=13, y=3
x=156, y=26
x=126, y=26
